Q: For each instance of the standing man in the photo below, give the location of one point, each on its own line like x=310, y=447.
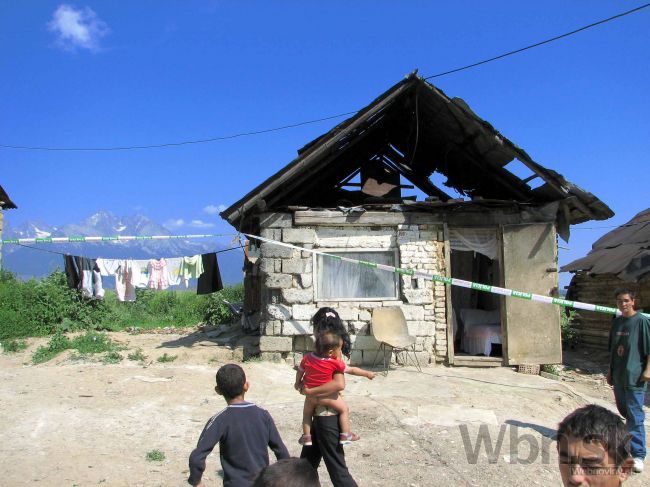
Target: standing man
x=629, y=369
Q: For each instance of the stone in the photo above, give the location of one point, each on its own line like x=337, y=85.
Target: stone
x=299, y=235
x=276, y=220
x=275, y=344
x=273, y=327
x=296, y=327
x=270, y=250
x=268, y=265
x=418, y=296
x=271, y=234
x=347, y=313
x=295, y=266
x=366, y=342
x=413, y=313
x=303, y=343
x=303, y=311
x=359, y=327
x=306, y=280
x=278, y=281
x=297, y=296
x=364, y=315
x=279, y=311
x=271, y=357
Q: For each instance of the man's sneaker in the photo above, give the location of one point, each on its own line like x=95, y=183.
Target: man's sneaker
x=638, y=465
x=347, y=438
x=305, y=440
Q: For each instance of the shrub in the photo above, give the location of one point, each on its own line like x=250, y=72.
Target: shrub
x=57, y=344
x=112, y=358
x=155, y=456
x=216, y=311
x=166, y=358
x=13, y=346
x=570, y=337
x=137, y=356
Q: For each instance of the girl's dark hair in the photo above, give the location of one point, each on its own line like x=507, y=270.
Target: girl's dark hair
x=327, y=320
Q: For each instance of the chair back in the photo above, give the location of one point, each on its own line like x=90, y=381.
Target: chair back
x=389, y=325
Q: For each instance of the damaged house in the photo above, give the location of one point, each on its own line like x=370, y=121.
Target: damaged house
x=619, y=259
x=482, y=211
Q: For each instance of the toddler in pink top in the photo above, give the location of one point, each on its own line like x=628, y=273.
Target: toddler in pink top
x=319, y=368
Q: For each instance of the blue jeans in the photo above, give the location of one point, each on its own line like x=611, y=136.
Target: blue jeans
x=630, y=405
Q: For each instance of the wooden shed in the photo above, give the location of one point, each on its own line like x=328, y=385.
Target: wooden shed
x=347, y=193
x=620, y=258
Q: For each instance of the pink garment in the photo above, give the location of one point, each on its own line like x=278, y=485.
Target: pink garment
x=158, y=275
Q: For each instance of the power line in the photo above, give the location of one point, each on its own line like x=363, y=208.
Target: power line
x=541, y=43
x=284, y=127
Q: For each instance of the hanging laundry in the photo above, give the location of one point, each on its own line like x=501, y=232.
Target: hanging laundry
x=141, y=273
x=158, y=277
x=83, y=274
x=174, y=270
x=191, y=267
x=123, y=270
x=210, y=279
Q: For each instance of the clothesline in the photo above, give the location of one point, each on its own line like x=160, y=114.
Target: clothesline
x=122, y=258
x=109, y=238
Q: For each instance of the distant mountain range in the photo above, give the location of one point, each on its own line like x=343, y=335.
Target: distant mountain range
x=28, y=263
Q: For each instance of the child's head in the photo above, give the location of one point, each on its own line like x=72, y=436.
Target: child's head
x=593, y=447
x=231, y=381
x=327, y=344
x=327, y=320
x=288, y=472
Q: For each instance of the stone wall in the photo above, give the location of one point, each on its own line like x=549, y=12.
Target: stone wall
x=288, y=293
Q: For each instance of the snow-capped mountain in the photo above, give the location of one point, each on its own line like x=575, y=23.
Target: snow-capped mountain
x=27, y=262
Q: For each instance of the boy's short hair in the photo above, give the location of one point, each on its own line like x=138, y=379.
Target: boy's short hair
x=230, y=380
x=289, y=472
x=593, y=423
x=624, y=290
x=326, y=341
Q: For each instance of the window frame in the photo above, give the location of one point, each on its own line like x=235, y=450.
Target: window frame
x=315, y=270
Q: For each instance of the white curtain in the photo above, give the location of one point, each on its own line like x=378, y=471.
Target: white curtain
x=481, y=240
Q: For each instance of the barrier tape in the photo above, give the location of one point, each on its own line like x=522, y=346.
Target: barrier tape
x=452, y=281
x=111, y=238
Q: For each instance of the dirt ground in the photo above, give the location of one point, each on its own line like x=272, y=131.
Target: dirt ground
x=82, y=423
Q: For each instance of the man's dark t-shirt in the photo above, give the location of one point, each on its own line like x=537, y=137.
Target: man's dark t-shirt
x=629, y=347
x=243, y=431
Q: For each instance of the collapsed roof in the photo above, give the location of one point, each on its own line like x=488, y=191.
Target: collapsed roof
x=5, y=202
x=414, y=131
x=624, y=251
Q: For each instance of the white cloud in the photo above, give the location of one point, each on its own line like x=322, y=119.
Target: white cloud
x=214, y=209
x=200, y=224
x=174, y=223
x=77, y=28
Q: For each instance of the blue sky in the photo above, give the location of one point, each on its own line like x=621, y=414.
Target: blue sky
x=106, y=73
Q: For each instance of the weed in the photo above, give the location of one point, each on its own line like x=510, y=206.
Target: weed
x=570, y=336
x=166, y=358
x=13, y=346
x=112, y=358
x=57, y=344
x=137, y=356
x=93, y=342
x=551, y=369
x=155, y=456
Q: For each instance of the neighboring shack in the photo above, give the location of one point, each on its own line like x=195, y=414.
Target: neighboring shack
x=344, y=195
x=5, y=204
x=620, y=258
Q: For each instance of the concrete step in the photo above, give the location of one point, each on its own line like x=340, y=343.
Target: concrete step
x=473, y=361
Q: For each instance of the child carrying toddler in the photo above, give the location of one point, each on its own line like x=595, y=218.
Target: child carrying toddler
x=322, y=366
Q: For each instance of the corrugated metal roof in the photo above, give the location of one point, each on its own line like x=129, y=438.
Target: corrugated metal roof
x=624, y=251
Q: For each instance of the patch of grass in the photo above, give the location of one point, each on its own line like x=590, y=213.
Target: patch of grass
x=112, y=358
x=551, y=369
x=166, y=358
x=155, y=456
x=13, y=346
x=93, y=342
x=57, y=344
x=137, y=356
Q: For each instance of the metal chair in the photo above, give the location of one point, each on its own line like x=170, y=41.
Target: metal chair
x=390, y=330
